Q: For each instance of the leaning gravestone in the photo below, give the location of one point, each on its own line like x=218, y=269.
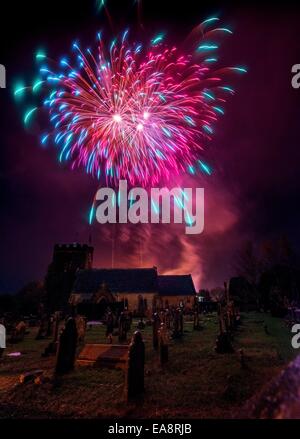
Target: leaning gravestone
x=66, y=352
x=135, y=372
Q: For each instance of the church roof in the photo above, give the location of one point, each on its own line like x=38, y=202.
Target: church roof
x=118, y=280
x=176, y=285
x=132, y=280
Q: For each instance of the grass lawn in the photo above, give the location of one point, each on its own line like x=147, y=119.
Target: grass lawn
x=196, y=383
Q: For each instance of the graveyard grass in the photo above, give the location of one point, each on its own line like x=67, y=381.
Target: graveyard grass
x=196, y=383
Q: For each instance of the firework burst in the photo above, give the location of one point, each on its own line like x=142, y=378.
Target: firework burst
x=143, y=113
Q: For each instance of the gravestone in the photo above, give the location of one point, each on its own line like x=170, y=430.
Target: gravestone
x=51, y=348
x=56, y=326
x=197, y=325
x=162, y=316
x=230, y=316
x=266, y=329
x=81, y=328
x=129, y=320
x=155, y=329
x=50, y=324
x=43, y=328
x=148, y=317
x=104, y=355
x=122, y=327
x=163, y=344
x=135, y=370
x=223, y=342
x=176, y=325
x=168, y=319
x=141, y=324
x=181, y=321
x=66, y=351
x=222, y=324
x=109, y=327
x=242, y=359
x=18, y=333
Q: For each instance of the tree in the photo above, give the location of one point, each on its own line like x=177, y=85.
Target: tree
x=249, y=266
x=30, y=297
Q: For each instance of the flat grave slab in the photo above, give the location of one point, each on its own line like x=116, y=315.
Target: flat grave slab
x=104, y=355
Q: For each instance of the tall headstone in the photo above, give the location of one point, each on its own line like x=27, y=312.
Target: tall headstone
x=163, y=344
x=155, y=329
x=168, y=319
x=181, y=321
x=196, y=320
x=81, y=327
x=109, y=327
x=50, y=324
x=135, y=370
x=51, y=348
x=223, y=342
x=122, y=327
x=56, y=326
x=176, y=324
x=141, y=324
x=66, y=352
x=43, y=328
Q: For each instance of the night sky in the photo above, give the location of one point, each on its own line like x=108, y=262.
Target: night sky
x=252, y=194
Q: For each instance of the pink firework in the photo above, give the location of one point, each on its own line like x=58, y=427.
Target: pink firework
x=140, y=113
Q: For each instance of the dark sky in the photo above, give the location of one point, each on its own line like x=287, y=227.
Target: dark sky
x=252, y=194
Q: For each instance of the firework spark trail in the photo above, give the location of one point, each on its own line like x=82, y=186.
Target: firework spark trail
x=131, y=112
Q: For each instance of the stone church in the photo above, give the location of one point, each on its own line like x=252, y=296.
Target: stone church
x=71, y=278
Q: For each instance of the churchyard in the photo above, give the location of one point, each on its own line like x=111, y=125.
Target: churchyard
x=195, y=382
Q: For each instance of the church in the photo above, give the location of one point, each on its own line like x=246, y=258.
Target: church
x=72, y=279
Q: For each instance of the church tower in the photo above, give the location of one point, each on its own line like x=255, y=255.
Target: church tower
x=67, y=260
